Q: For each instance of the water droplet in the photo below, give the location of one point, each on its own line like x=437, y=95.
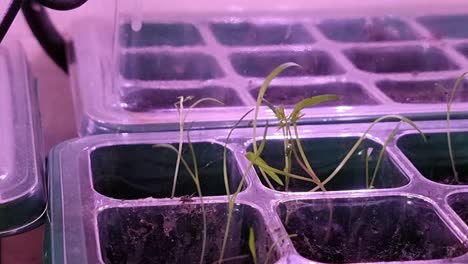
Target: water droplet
x=136, y=24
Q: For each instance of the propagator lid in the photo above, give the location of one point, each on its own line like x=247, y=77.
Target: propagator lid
x=22, y=197
x=128, y=71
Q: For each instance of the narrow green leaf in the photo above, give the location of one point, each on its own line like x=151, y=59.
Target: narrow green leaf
x=308, y=102
x=254, y=159
x=260, y=151
x=207, y=99
x=261, y=94
x=382, y=152
x=277, y=71
x=252, y=247
x=263, y=142
x=274, y=176
x=361, y=139
x=263, y=165
x=225, y=172
x=449, y=109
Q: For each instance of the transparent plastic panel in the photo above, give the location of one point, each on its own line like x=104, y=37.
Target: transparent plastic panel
x=153, y=54
x=22, y=200
x=7, y=168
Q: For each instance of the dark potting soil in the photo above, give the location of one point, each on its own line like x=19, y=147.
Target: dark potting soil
x=370, y=29
x=348, y=93
x=313, y=63
x=164, y=66
x=160, y=34
x=370, y=229
x=398, y=60
x=144, y=99
x=173, y=234
x=249, y=34
x=459, y=203
x=423, y=92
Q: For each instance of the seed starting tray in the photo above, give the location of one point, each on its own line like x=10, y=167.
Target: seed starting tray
x=109, y=199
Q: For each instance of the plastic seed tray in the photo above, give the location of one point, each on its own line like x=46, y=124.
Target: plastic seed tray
x=109, y=199
x=400, y=64
x=22, y=196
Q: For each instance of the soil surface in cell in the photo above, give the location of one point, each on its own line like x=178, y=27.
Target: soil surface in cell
x=368, y=230
x=459, y=203
x=174, y=234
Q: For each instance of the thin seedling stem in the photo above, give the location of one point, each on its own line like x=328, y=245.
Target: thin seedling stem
x=449, y=108
x=197, y=185
x=231, y=200
x=310, y=173
x=181, y=139
x=252, y=246
x=197, y=176
x=361, y=139
x=182, y=117
x=382, y=152
x=261, y=95
x=286, y=147
x=304, y=157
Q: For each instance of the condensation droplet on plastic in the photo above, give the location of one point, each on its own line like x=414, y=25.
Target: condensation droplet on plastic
x=136, y=24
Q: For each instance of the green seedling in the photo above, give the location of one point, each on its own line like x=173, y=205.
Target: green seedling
x=261, y=94
x=361, y=139
x=196, y=179
x=252, y=247
x=255, y=160
x=182, y=117
x=449, y=108
x=381, y=155
x=284, y=123
x=231, y=199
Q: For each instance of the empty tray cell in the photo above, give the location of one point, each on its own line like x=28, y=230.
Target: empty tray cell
x=324, y=155
x=141, y=100
x=143, y=170
x=446, y=26
x=373, y=29
x=289, y=95
x=432, y=158
x=249, y=34
x=159, y=34
x=423, y=92
x=169, y=66
x=368, y=230
x=174, y=234
x=409, y=59
x=262, y=63
x=459, y=203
